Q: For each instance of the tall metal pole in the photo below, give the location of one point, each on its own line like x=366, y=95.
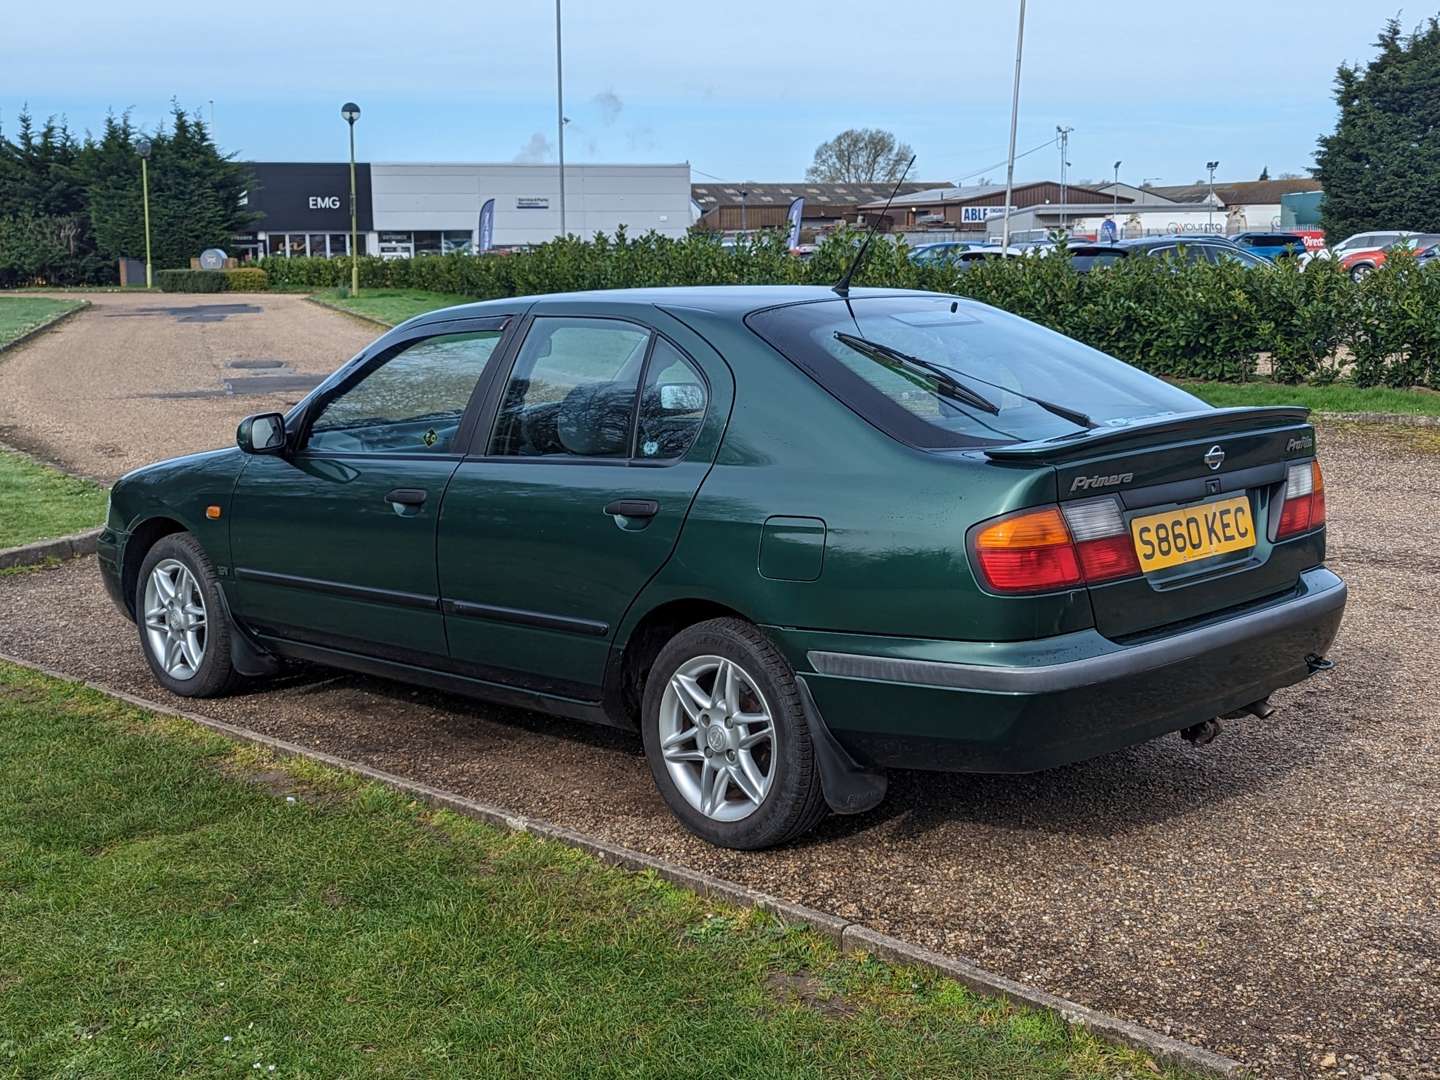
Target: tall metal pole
x=1115, y=191
x=560, y=113
x=1014, y=118
x=145, y=195
x=354, y=231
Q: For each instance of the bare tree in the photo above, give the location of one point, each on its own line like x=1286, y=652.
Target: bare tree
x=859, y=156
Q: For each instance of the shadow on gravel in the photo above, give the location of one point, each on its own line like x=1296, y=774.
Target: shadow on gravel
x=1111, y=795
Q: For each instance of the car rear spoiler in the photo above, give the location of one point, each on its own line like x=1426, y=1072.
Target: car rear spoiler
x=1216, y=422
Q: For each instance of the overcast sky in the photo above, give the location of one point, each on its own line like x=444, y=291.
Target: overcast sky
x=741, y=90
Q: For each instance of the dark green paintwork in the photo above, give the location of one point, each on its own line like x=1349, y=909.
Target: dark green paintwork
x=789, y=510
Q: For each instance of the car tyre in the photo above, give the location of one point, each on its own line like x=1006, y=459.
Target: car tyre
x=697, y=741
x=182, y=619
x=1361, y=272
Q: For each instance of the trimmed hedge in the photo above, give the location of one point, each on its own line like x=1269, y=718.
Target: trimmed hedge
x=194, y=281
x=1193, y=321
x=246, y=279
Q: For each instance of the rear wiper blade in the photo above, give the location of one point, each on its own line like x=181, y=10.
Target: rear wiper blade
x=875, y=350
x=894, y=358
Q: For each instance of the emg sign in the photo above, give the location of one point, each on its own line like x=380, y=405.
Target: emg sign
x=324, y=202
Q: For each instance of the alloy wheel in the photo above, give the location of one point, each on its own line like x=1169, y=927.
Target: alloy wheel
x=717, y=735
x=175, y=619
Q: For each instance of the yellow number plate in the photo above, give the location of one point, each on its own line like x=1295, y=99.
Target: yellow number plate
x=1197, y=532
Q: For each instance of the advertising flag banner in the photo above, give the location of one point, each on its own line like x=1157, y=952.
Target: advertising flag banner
x=487, y=226
x=793, y=215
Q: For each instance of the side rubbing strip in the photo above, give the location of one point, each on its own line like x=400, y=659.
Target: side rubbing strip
x=520, y=617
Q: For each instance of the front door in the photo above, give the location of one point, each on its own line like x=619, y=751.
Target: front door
x=602, y=433
x=333, y=544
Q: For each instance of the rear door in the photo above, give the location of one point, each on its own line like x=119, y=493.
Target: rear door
x=333, y=544
x=575, y=491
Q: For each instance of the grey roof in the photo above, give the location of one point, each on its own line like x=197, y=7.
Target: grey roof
x=716, y=193
x=1242, y=191
x=936, y=196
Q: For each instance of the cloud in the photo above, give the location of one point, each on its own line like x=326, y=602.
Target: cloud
x=536, y=150
x=610, y=106
x=641, y=139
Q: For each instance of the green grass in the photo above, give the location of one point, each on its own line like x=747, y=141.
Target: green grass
x=391, y=306
x=1338, y=397
x=173, y=903
x=21, y=314
x=38, y=502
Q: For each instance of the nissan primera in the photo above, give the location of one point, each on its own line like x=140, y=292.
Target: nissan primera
x=793, y=537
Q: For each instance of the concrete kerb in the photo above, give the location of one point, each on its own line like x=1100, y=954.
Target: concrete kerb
x=369, y=320
x=48, y=324
x=42, y=551
x=850, y=936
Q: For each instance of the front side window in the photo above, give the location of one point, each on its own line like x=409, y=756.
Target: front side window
x=672, y=405
x=410, y=404
x=572, y=390
x=987, y=352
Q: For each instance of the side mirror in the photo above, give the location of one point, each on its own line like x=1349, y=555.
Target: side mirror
x=263, y=433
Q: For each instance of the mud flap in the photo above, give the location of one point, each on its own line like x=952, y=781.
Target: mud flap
x=246, y=657
x=848, y=788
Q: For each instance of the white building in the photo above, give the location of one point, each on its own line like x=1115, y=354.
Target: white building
x=406, y=208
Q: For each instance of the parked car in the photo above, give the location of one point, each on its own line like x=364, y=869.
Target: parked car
x=1084, y=257
x=947, y=251
x=1272, y=245
x=1371, y=241
x=1361, y=262
x=1201, y=248
x=1424, y=256
x=792, y=538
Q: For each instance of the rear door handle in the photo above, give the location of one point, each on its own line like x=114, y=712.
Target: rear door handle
x=407, y=496
x=633, y=508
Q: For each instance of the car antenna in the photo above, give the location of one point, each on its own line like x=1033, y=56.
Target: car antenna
x=842, y=287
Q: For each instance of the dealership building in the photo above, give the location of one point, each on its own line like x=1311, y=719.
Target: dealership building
x=405, y=209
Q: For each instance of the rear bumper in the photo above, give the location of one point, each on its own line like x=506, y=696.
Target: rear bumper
x=1023, y=706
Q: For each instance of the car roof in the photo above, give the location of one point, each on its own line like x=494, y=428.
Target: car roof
x=735, y=300
x=1167, y=241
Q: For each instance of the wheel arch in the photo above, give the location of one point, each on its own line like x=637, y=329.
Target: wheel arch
x=631, y=658
x=142, y=538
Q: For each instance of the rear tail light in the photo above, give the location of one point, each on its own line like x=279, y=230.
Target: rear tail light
x=1304, y=500
x=1101, y=540
x=1046, y=549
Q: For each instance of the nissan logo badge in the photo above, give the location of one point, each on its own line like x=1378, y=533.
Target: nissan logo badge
x=1214, y=457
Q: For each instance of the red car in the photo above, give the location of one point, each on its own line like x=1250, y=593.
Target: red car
x=1363, y=261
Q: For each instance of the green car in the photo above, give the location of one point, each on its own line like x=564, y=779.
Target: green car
x=793, y=537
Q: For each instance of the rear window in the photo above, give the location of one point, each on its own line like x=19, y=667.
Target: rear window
x=989, y=352
x=1274, y=241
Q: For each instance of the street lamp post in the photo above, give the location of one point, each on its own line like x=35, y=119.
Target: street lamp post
x=350, y=112
x=1210, y=202
x=560, y=113
x=743, y=195
x=143, y=148
x=1115, y=196
x=1014, y=116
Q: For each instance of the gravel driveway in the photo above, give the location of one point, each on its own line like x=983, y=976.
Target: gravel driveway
x=138, y=376
x=1272, y=897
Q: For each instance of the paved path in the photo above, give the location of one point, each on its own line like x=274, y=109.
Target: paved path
x=141, y=376
x=1272, y=897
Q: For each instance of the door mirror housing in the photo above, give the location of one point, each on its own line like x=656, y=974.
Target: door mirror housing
x=263, y=433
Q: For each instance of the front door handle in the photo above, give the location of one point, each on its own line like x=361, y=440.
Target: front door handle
x=633, y=508
x=406, y=496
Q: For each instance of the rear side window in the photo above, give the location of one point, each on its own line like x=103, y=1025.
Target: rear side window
x=672, y=405
x=994, y=354
x=572, y=390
